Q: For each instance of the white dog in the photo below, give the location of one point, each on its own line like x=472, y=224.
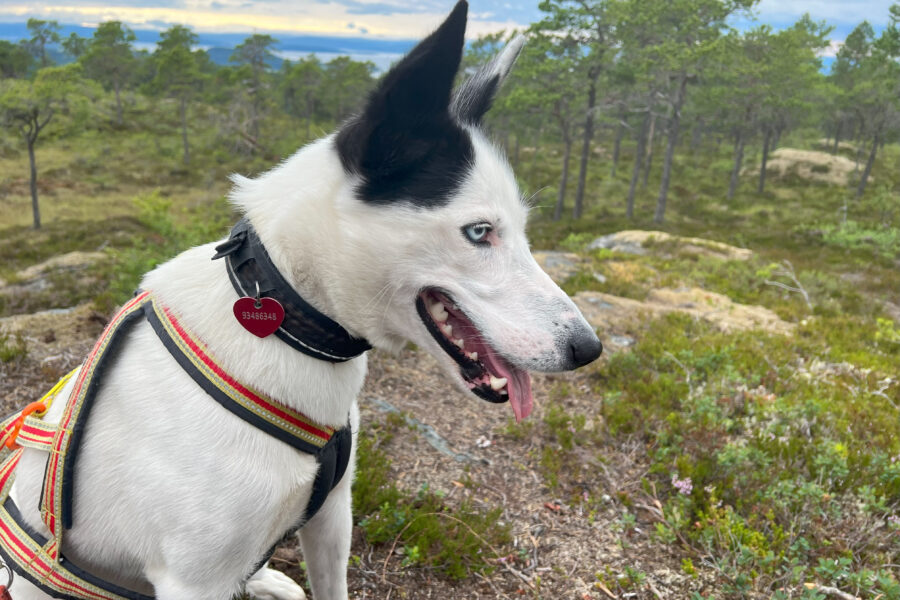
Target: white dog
x=406, y=225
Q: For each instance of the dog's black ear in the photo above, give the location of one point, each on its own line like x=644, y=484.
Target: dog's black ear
x=405, y=145
x=473, y=98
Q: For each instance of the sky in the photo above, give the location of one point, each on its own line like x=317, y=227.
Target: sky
x=384, y=20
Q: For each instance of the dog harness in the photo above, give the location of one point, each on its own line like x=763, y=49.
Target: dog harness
x=38, y=558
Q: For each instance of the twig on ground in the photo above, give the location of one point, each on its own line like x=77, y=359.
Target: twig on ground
x=599, y=585
x=787, y=270
x=831, y=591
x=491, y=583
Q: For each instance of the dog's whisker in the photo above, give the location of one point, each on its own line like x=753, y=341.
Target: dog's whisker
x=374, y=299
x=528, y=201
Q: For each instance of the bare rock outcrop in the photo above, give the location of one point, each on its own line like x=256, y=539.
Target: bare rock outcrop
x=641, y=243
x=810, y=165
x=615, y=314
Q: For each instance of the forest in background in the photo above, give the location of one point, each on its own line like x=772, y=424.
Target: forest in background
x=693, y=461
x=661, y=74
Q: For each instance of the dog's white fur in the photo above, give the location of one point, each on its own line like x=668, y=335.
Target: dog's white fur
x=179, y=498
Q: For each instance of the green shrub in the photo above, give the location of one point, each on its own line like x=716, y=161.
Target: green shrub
x=12, y=347
x=456, y=540
x=884, y=241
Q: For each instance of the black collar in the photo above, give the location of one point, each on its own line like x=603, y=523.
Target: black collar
x=304, y=328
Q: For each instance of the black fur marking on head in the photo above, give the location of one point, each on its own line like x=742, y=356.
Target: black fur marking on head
x=405, y=145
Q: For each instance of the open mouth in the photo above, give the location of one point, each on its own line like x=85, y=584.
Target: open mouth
x=485, y=372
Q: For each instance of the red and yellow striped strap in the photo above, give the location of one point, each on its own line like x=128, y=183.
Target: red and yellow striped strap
x=52, y=501
x=37, y=559
x=267, y=414
x=192, y=354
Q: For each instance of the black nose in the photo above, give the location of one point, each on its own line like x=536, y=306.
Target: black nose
x=584, y=348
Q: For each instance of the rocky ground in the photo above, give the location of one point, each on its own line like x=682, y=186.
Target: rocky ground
x=558, y=546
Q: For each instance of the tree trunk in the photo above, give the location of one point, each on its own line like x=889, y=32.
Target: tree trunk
x=537, y=143
x=184, y=135
x=35, y=209
x=586, y=148
x=738, y=159
x=648, y=148
x=561, y=194
x=765, y=161
x=837, y=136
x=620, y=133
x=638, y=161
x=117, y=87
x=670, y=151
x=697, y=136
x=868, y=170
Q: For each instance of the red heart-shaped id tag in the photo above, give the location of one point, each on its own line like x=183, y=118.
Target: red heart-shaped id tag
x=261, y=318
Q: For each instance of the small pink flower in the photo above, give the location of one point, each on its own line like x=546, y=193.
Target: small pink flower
x=684, y=486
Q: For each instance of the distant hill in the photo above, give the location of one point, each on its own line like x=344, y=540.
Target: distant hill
x=382, y=52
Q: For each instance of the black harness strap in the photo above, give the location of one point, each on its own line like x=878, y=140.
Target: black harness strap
x=332, y=457
x=103, y=361
x=39, y=538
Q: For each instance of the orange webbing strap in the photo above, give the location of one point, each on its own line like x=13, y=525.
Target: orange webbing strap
x=27, y=428
x=34, y=407
x=54, y=511
x=26, y=551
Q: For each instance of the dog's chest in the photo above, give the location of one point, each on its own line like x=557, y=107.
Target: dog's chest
x=187, y=467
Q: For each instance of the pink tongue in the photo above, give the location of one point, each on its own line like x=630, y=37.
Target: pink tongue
x=518, y=385
x=519, y=388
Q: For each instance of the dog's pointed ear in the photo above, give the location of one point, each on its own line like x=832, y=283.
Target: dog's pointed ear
x=421, y=83
x=473, y=98
x=406, y=120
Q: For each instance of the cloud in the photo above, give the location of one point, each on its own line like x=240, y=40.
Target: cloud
x=381, y=8
x=832, y=49
x=274, y=16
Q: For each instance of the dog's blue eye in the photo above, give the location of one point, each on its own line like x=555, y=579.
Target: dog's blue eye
x=477, y=232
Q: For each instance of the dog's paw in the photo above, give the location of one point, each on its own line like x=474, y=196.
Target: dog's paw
x=269, y=584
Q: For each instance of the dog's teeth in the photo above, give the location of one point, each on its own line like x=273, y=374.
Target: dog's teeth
x=459, y=343
x=447, y=329
x=498, y=383
x=473, y=355
x=438, y=312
